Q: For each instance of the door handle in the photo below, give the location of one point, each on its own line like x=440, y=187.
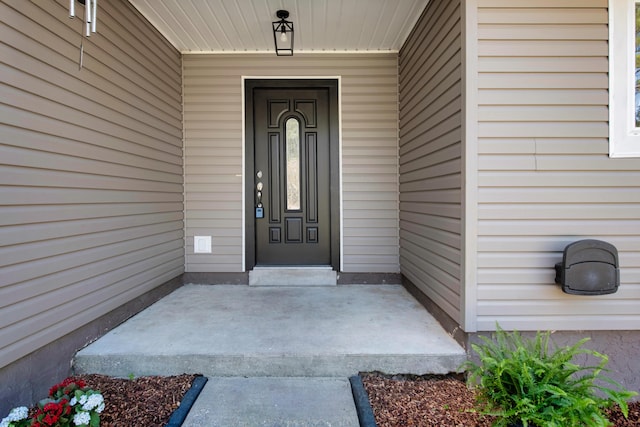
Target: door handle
x=259, y=187
x=259, y=207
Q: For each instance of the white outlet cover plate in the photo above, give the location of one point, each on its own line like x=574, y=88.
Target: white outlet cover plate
x=202, y=244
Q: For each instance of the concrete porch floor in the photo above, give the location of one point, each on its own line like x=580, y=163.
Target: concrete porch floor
x=243, y=331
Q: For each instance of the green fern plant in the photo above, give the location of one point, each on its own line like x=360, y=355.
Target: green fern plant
x=526, y=381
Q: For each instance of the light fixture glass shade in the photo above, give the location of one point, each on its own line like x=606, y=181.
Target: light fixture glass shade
x=283, y=34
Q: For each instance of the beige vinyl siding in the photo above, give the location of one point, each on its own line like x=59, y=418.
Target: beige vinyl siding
x=430, y=156
x=214, y=150
x=545, y=178
x=91, y=204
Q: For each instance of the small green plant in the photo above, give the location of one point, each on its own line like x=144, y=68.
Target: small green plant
x=525, y=381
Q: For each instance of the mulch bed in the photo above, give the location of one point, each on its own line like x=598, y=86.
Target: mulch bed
x=437, y=400
x=144, y=401
x=430, y=400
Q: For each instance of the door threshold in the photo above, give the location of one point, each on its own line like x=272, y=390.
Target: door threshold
x=293, y=267
x=293, y=276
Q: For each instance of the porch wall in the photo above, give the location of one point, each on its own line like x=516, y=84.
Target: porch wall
x=90, y=175
x=430, y=156
x=214, y=152
x=545, y=178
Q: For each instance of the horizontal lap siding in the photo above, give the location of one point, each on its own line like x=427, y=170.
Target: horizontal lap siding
x=545, y=178
x=213, y=153
x=430, y=156
x=91, y=205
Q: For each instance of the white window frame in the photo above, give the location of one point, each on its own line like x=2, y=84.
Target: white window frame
x=624, y=136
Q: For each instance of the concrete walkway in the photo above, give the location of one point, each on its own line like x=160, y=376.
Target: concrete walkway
x=300, y=402
x=259, y=346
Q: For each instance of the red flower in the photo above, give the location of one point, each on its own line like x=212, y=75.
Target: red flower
x=50, y=414
x=50, y=407
x=66, y=387
x=50, y=419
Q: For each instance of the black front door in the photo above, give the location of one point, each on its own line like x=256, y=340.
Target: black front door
x=291, y=194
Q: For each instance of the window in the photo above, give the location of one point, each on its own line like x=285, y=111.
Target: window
x=292, y=128
x=624, y=78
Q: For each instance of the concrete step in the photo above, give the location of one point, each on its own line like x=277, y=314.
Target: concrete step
x=293, y=276
x=239, y=330
x=299, y=402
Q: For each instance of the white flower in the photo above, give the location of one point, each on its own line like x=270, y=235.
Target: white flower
x=16, y=414
x=19, y=413
x=93, y=401
x=100, y=408
x=73, y=401
x=83, y=399
x=82, y=419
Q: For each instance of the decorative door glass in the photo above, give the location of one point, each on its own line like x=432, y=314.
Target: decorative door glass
x=292, y=129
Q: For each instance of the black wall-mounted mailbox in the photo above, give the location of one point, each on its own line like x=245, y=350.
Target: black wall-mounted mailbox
x=589, y=267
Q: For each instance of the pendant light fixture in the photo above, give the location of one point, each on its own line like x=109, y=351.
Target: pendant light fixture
x=283, y=34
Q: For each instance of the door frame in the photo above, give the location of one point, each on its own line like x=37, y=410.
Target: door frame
x=332, y=84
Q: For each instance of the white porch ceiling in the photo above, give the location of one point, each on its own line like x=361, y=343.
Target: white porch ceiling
x=237, y=26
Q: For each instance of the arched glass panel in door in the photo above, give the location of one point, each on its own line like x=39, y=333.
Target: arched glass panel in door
x=292, y=129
